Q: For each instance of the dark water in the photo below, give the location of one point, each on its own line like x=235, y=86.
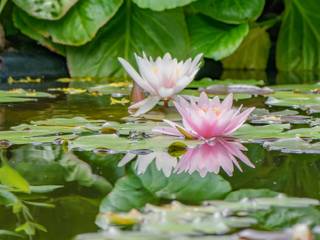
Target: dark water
x=77, y=204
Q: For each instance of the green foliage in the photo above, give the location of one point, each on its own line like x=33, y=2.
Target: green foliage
x=131, y=30
x=134, y=190
x=230, y=11
x=51, y=10
x=92, y=34
x=215, y=39
x=298, y=43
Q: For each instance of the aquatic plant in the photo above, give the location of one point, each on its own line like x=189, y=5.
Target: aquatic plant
x=162, y=78
x=206, y=118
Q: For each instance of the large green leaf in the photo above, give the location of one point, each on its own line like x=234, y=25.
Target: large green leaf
x=49, y=9
x=28, y=29
x=253, y=53
x=77, y=27
x=215, y=39
x=131, y=30
x=299, y=37
x=230, y=11
x=157, y=5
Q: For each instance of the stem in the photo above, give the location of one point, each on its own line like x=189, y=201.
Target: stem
x=166, y=103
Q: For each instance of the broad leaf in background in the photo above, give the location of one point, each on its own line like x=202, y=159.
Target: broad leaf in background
x=49, y=9
x=230, y=11
x=253, y=52
x=215, y=39
x=78, y=26
x=157, y=5
x=28, y=29
x=299, y=37
x=131, y=30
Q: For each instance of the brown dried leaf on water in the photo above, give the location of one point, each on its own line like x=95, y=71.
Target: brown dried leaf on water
x=237, y=88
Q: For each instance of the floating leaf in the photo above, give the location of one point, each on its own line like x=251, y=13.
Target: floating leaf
x=253, y=133
x=20, y=95
x=263, y=116
x=206, y=82
x=303, y=101
x=247, y=89
x=294, y=145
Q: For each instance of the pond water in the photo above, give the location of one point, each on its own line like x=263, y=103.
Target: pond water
x=89, y=180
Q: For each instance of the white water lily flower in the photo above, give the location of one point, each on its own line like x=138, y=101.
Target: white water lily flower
x=162, y=78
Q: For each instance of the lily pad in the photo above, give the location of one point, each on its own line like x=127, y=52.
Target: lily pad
x=263, y=116
x=302, y=101
x=253, y=133
x=20, y=95
x=206, y=82
x=294, y=145
x=214, y=217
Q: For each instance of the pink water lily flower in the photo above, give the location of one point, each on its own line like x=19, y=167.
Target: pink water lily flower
x=206, y=118
x=210, y=157
x=162, y=78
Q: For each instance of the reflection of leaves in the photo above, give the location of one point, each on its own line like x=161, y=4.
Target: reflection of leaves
x=11, y=178
x=134, y=191
x=79, y=171
x=296, y=175
x=71, y=214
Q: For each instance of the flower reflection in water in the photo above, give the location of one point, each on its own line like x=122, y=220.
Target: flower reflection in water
x=163, y=160
x=206, y=158
x=210, y=157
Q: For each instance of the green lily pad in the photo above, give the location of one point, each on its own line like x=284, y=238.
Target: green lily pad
x=20, y=95
x=253, y=133
x=302, y=101
x=263, y=116
x=206, y=82
x=294, y=145
x=116, y=143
